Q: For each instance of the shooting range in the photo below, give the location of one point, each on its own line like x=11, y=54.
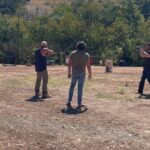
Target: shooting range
x=116, y=116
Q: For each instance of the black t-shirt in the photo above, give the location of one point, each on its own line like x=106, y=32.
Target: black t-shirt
x=40, y=61
x=146, y=63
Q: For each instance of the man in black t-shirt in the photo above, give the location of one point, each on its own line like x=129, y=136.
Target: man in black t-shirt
x=145, y=53
x=41, y=69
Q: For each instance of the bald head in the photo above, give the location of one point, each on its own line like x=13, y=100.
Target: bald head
x=43, y=44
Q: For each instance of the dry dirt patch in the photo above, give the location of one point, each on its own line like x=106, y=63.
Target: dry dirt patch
x=116, y=118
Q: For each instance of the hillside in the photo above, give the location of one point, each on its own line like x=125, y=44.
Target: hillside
x=43, y=6
x=40, y=7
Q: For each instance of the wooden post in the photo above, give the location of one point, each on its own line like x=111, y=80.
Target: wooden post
x=108, y=66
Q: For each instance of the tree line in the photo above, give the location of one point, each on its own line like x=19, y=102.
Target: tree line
x=112, y=29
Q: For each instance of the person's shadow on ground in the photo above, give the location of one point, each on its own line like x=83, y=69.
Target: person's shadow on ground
x=74, y=111
x=34, y=99
x=145, y=96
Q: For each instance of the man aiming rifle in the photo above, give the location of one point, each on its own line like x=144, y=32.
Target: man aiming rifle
x=145, y=53
x=41, y=69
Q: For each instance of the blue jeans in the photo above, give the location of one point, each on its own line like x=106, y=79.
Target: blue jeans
x=80, y=78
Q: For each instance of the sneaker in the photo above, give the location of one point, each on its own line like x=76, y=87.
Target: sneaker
x=141, y=93
x=79, y=107
x=68, y=105
x=37, y=95
x=46, y=96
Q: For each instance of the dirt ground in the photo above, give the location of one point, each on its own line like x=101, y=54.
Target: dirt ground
x=116, y=119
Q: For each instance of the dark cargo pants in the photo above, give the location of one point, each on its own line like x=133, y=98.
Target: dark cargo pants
x=145, y=75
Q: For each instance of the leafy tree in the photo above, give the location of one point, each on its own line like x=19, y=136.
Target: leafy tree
x=10, y=6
